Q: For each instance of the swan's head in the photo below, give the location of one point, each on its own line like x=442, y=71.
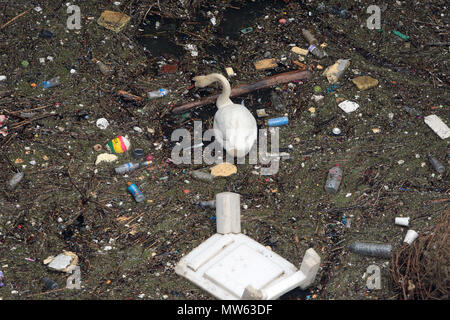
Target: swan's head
x=202, y=81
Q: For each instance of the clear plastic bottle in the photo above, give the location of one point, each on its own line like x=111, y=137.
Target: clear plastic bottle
x=49, y=284
x=137, y=194
x=105, y=69
x=309, y=37
x=318, y=53
x=51, y=83
x=334, y=179
x=436, y=164
x=207, y=204
x=15, y=180
x=127, y=167
x=276, y=101
x=158, y=93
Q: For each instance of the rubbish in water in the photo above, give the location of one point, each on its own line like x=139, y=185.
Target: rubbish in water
x=340, y=12
x=229, y=263
x=106, y=157
x=301, y=66
x=64, y=262
x=49, y=284
x=371, y=249
x=365, y=82
x=104, y=69
x=265, y=64
x=376, y=130
x=309, y=37
x=138, y=153
x=200, y=175
x=2, y=277
x=436, y=164
x=247, y=30
x=137, y=194
x=316, y=51
x=334, y=179
x=127, y=167
x=438, y=126
x=411, y=235
x=335, y=71
x=207, y=204
x=261, y=113
x=102, y=123
x=348, y=106
x=318, y=99
x=276, y=101
x=2, y=77
x=401, y=35
x=15, y=180
x=276, y=122
x=51, y=83
x=97, y=147
x=223, y=170
x=300, y=51
x=25, y=63
x=149, y=157
x=112, y=20
x=129, y=96
x=401, y=221
x=336, y=131
x=412, y=111
x=192, y=48
x=230, y=72
x=118, y=145
x=157, y=93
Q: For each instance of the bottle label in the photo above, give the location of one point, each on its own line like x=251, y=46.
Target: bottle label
x=117, y=145
x=311, y=48
x=163, y=92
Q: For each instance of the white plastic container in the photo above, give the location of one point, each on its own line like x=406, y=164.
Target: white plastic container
x=411, y=235
x=400, y=221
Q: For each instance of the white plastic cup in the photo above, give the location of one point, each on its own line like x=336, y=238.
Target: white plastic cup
x=411, y=235
x=102, y=123
x=402, y=221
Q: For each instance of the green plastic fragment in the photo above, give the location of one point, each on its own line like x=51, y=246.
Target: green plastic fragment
x=247, y=30
x=317, y=89
x=401, y=35
x=25, y=63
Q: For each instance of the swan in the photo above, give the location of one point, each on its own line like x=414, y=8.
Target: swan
x=234, y=126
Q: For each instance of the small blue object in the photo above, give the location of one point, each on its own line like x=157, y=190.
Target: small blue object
x=344, y=220
x=276, y=122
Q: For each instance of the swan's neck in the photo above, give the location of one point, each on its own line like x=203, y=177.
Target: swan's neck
x=224, y=97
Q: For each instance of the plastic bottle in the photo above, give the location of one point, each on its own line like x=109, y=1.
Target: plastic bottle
x=316, y=51
x=200, y=175
x=309, y=37
x=207, y=204
x=1, y=279
x=127, y=167
x=137, y=194
x=49, y=284
x=276, y=122
x=276, y=101
x=158, y=93
x=105, y=69
x=334, y=179
x=436, y=164
x=15, y=180
x=51, y=83
x=371, y=249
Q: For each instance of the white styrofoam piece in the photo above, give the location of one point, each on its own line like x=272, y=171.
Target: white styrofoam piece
x=438, y=126
x=228, y=212
x=255, y=265
x=310, y=266
x=60, y=262
x=348, y=106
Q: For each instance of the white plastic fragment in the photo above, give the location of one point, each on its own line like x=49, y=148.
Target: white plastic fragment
x=438, y=126
x=233, y=266
x=402, y=221
x=348, y=106
x=228, y=212
x=411, y=235
x=102, y=123
x=2, y=78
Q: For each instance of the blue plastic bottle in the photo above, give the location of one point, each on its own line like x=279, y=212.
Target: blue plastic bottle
x=137, y=194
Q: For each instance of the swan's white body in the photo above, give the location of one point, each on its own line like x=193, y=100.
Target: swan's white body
x=234, y=125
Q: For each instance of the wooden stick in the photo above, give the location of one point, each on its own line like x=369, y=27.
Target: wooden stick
x=246, y=88
x=16, y=17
